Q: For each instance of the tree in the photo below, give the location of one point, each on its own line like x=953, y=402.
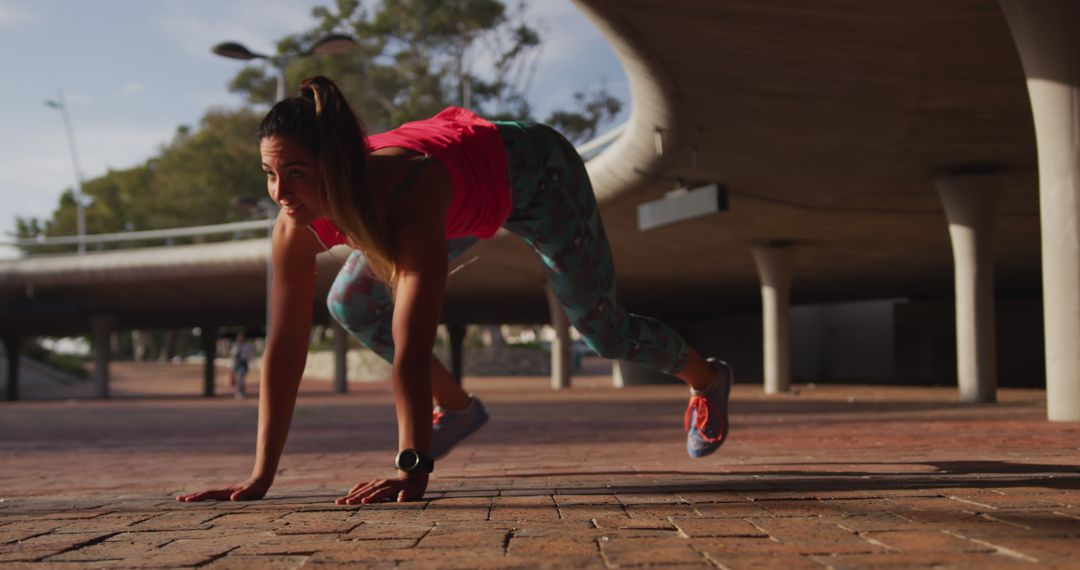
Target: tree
x=414, y=57
x=193, y=180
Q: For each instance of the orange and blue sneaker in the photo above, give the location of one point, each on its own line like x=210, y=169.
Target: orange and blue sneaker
x=450, y=427
x=706, y=419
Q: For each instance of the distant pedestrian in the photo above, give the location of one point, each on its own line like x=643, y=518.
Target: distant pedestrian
x=242, y=352
x=408, y=201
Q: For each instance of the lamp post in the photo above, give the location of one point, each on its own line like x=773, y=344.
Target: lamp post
x=328, y=44
x=80, y=211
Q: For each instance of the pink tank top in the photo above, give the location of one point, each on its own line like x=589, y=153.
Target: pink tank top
x=472, y=152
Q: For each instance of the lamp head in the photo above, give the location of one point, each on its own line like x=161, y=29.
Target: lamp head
x=333, y=43
x=234, y=50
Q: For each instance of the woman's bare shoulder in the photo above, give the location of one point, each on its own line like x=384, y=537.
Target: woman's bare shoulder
x=293, y=240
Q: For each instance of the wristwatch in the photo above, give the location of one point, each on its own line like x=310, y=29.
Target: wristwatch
x=412, y=461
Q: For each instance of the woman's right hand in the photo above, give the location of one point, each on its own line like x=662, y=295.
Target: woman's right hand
x=249, y=490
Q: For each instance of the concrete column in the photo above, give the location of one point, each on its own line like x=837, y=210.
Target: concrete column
x=970, y=202
x=13, y=349
x=1050, y=51
x=101, y=327
x=457, y=352
x=341, y=354
x=209, y=338
x=775, y=262
x=562, y=362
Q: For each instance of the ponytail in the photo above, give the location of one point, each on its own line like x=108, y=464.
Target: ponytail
x=322, y=121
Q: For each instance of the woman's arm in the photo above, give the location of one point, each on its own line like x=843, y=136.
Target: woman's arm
x=294, y=251
x=420, y=246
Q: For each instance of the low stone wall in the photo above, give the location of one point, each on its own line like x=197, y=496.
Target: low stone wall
x=366, y=366
x=504, y=360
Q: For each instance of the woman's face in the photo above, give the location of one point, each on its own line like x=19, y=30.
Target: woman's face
x=292, y=178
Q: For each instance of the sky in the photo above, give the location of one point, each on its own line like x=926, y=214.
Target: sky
x=132, y=71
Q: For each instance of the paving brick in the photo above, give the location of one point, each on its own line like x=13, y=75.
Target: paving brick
x=288, y=545
x=642, y=524
x=869, y=522
x=904, y=561
x=731, y=510
x=545, y=547
x=383, y=531
x=40, y=547
x=1008, y=502
x=474, y=539
x=588, y=512
x=524, y=508
x=924, y=541
x=244, y=520
x=742, y=561
x=318, y=522
x=813, y=536
x=699, y=527
x=242, y=562
x=648, y=552
x=179, y=520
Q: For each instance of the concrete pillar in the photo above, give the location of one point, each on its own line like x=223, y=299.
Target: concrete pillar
x=341, y=354
x=457, y=352
x=101, y=328
x=970, y=202
x=209, y=338
x=1050, y=52
x=775, y=261
x=13, y=349
x=562, y=362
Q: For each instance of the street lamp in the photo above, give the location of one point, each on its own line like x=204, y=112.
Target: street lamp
x=80, y=212
x=328, y=44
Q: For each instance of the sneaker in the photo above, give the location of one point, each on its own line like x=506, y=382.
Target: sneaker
x=706, y=419
x=451, y=427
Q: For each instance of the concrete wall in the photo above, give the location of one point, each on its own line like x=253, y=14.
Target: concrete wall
x=843, y=342
x=926, y=343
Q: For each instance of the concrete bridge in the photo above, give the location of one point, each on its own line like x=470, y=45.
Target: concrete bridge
x=916, y=151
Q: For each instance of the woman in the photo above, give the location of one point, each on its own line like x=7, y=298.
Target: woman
x=411, y=200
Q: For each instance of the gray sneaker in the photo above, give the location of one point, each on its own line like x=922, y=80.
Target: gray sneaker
x=706, y=419
x=449, y=428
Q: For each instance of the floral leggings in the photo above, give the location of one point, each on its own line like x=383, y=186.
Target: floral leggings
x=555, y=212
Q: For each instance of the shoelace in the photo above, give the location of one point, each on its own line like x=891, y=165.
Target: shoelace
x=437, y=416
x=700, y=404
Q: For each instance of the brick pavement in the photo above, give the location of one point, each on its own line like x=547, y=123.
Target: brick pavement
x=829, y=477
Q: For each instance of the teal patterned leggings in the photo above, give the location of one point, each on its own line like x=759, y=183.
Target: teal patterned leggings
x=555, y=212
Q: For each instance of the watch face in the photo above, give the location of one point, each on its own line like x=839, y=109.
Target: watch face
x=408, y=460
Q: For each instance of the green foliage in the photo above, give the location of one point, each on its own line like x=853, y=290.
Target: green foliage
x=413, y=58
x=67, y=363
x=192, y=181
x=595, y=109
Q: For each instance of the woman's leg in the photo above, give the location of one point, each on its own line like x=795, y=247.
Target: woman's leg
x=362, y=304
x=559, y=218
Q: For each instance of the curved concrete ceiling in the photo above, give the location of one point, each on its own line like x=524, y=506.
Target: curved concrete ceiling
x=829, y=123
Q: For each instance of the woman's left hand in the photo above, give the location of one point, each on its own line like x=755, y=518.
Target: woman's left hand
x=408, y=487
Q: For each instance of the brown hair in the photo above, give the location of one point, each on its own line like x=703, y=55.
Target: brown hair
x=322, y=121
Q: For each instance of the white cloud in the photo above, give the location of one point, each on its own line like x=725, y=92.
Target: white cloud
x=130, y=89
